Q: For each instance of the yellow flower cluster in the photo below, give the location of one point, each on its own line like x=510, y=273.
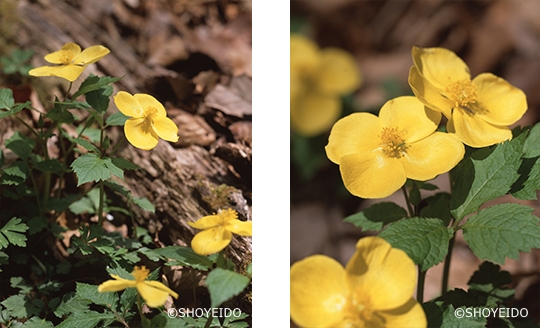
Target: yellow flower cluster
x=374, y=290
x=376, y=155
x=318, y=79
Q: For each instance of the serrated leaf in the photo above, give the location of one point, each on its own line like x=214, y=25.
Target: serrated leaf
x=450, y=320
x=424, y=240
x=531, y=147
x=502, y=231
x=124, y=164
x=165, y=321
x=60, y=113
x=88, y=319
x=21, y=145
x=486, y=175
x=489, y=277
x=89, y=167
x=438, y=206
x=529, y=179
x=18, y=282
x=86, y=144
x=117, y=118
x=224, y=284
x=93, y=83
x=12, y=231
x=36, y=224
x=144, y=204
x=37, y=322
x=6, y=99
x=15, y=109
x=20, y=306
x=99, y=98
x=60, y=205
x=51, y=165
x=17, y=169
x=377, y=216
x=186, y=256
x=90, y=293
x=414, y=194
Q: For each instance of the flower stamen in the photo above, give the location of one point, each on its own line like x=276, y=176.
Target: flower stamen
x=463, y=92
x=392, y=143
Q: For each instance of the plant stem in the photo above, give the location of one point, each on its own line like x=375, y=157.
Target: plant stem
x=209, y=321
x=411, y=213
x=447, y=260
x=101, y=201
x=420, y=287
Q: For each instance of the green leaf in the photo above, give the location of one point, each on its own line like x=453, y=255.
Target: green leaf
x=60, y=205
x=450, y=319
x=489, y=279
x=89, y=167
x=165, y=321
x=37, y=322
x=86, y=144
x=2, y=158
x=486, y=175
x=6, y=99
x=82, y=205
x=90, y=293
x=21, y=145
x=414, y=194
x=424, y=240
x=20, y=306
x=51, y=165
x=529, y=179
x=144, y=204
x=36, y=224
x=377, y=216
x=88, y=319
x=99, y=98
x=93, y=83
x=186, y=256
x=59, y=113
x=502, y=231
x=224, y=284
x=531, y=147
x=18, y=282
x=124, y=164
x=17, y=169
x=15, y=109
x=438, y=206
x=117, y=118
x=12, y=231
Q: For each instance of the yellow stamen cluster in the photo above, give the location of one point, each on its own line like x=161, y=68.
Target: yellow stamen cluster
x=392, y=143
x=463, y=92
x=67, y=57
x=140, y=273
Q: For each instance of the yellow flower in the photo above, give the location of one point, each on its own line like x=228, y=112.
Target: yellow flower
x=148, y=121
x=478, y=111
x=318, y=79
x=376, y=155
x=217, y=232
x=375, y=290
x=153, y=292
x=71, y=60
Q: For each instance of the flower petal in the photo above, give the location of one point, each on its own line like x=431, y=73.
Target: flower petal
x=318, y=292
x=352, y=134
x=154, y=297
x=166, y=129
x=440, y=66
x=211, y=241
x=414, y=120
x=383, y=275
x=207, y=222
x=434, y=155
x=498, y=102
x=90, y=55
x=68, y=72
x=116, y=285
x=128, y=105
x=148, y=101
x=238, y=227
x=304, y=54
x=428, y=94
x=59, y=57
x=409, y=315
x=313, y=113
x=140, y=133
x=474, y=131
x=162, y=287
x=338, y=72
x=372, y=174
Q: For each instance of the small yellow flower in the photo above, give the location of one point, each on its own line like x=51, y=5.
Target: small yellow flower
x=376, y=155
x=479, y=110
x=318, y=79
x=148, y=121
x=217, y=232
x=375, y=290
x=153, y=292
x=71, y=60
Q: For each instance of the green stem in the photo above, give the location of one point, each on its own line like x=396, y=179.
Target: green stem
x=209, y=321
x=101, y=201
x=446, y=270
x=116, y=147
x=420, y=287
x=409, y=207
